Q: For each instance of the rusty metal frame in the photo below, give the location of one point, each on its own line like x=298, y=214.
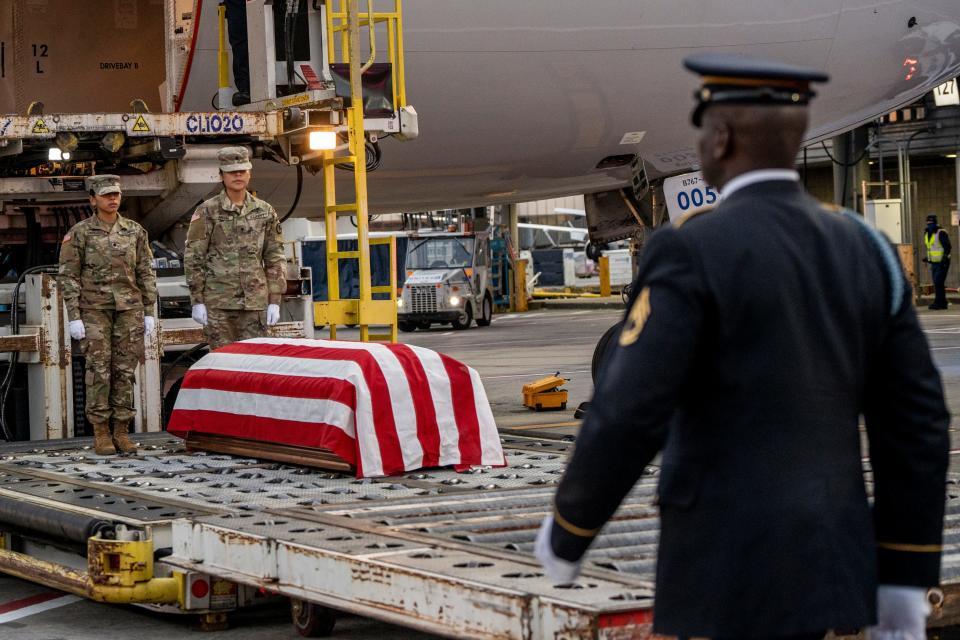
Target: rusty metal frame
x=450, y=589
x=27, y=341
x=50, y=371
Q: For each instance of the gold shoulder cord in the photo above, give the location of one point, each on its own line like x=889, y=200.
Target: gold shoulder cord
x=639, y=314
x=682, y=220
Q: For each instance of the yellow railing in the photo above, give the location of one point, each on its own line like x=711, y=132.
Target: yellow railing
x=337, y=25
x=364, y=311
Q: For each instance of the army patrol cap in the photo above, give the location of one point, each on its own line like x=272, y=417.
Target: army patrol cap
x=732, y=79
x=102, y=185
x=234, y=159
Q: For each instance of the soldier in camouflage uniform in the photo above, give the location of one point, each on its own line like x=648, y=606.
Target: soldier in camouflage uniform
x=106, y=274
x=234, y=259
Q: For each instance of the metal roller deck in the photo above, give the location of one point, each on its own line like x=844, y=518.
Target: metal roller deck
x=434, y=550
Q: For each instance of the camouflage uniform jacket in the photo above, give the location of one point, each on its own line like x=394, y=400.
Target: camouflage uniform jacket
x=234, y=255
x=104, y=267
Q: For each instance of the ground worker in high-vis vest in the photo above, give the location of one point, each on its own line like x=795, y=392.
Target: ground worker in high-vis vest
x=937, y=241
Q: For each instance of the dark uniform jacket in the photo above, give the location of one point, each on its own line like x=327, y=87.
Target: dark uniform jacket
x=757, y=336
x=107, y=267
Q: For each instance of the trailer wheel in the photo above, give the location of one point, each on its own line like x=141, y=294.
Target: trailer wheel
x=603, y=347
x=486, y=312
x=312, y=620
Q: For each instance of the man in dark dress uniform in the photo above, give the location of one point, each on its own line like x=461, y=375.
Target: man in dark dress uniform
x=757, y=335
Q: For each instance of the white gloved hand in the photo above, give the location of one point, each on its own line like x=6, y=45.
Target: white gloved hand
x=273, y=314
x=901, y=613
x=199, y=314
x=559, y=570
x=149, y=324
x=77, y=331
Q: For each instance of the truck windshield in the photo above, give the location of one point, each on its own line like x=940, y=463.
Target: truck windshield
x=441, y=253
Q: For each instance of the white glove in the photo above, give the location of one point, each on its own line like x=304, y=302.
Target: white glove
x=273, y=314
x=559, y=570
x=901, y=613
x=199, y=314
x=149, y=324
x=77, y=332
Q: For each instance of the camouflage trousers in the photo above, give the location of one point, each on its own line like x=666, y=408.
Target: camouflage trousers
x=230, y=325
x=113, y=348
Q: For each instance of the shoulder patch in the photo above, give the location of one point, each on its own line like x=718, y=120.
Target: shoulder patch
x=67, y=237
x=639, y=314
x=196, y=215
x=685, y=218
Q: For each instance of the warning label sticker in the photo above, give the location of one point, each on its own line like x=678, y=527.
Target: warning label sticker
x=141, y=126
x=40, y=126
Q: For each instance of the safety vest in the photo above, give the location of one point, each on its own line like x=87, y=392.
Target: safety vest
x=934, y=248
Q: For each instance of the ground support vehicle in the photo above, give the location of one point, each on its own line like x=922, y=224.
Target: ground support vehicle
x=449, y=281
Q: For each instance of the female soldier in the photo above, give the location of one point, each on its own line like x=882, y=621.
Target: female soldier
x=110, y=290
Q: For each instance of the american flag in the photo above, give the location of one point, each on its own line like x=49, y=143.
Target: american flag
x=385, y=408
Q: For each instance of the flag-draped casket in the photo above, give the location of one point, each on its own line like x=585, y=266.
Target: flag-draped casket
x=384, y=408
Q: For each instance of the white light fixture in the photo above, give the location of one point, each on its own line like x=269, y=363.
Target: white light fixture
x=399, y=303
x=950, y=155
x=323, y=140
x=54, y=154
x=454, y=301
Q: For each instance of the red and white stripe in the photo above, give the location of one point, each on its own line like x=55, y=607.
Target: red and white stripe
x=386, y=408
x=32, y=605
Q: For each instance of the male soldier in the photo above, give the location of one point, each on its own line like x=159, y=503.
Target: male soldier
x=937, y=241
x=234, y=258
x=110, y=290
x=757, y=336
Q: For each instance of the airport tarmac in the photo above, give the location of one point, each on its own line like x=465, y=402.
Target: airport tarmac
x=516, y=349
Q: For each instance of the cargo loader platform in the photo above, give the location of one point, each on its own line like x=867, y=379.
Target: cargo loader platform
x=434, y=550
